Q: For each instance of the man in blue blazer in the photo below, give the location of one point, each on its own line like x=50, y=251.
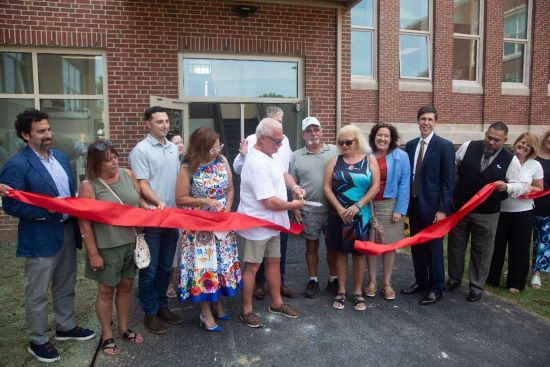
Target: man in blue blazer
x=433, y=161
x=46, y=240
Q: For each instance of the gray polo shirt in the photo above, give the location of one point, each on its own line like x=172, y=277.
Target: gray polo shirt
x=159, y=164
x=308, y=169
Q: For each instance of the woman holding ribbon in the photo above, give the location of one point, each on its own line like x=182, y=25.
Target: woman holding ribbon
x=110, y=249
x=351, y=183
x=515, y=223
x=209, y=266
x=391, y=202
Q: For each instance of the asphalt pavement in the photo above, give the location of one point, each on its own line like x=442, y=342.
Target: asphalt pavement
x=401, y=333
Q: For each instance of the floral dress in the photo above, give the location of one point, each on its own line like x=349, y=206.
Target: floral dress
x=209, y=262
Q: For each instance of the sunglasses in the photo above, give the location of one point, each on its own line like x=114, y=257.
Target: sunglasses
x=104, y=145
x=347, y=143
x=276, y=141
x=217, y=149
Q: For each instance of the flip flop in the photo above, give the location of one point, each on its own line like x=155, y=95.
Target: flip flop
x=110, y=348
x=132, y=336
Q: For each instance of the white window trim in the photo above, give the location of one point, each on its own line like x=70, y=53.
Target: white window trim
x=366, y=82
x=429, y=36
x=520, y=89
x=36, y=96
x=231, y=56
x=473, y=86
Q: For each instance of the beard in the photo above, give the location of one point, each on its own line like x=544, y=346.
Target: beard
x=46, y=144
x=313, y=141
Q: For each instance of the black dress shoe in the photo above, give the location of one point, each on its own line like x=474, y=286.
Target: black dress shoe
x=430, y=298
x=451, y=285
x=415, y=288
x=475, y=295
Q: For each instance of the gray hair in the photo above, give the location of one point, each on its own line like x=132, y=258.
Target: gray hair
x=358, y=135
x=272, y=111
x=267, y=126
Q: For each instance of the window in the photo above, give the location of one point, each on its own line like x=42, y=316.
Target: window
x=467, y=40
x=515, y=61
x=363, y=39
x=207, y=78
x=415, y=39
x=67, y=86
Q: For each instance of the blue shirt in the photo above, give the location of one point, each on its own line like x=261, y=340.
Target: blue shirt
x=57, y=172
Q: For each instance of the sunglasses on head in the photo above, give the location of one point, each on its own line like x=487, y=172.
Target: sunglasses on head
x=346, y=142
x=104, y=145
x=217, y=149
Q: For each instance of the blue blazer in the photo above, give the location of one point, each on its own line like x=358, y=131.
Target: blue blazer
x=40, y=232
x=437, y=177
x=398, y=180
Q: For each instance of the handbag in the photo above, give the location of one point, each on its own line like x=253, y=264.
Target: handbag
x=376, y=233
x=142, y=255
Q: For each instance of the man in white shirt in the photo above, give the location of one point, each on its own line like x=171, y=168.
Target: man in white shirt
x=479, y=163
x=264, y=195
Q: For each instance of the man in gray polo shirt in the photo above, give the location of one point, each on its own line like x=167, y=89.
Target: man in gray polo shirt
x=155, y=162
x=307, y=166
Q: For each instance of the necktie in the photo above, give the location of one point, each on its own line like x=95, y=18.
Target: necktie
x=485, y=160
x=417, y=169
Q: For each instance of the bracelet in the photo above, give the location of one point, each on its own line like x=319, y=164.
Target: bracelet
x=358, y=206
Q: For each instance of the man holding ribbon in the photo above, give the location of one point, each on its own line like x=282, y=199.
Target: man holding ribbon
x=432, y=159
x=46, y=240
x=479, y=163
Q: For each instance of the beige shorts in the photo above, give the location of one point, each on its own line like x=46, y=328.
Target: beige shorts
x=255, y=250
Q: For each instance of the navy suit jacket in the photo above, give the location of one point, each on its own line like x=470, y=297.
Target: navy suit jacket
x=437, y=177
x=40, y=232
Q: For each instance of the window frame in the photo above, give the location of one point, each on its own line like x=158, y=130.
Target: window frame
x=232, y=56
x=429, y=42
x=472, y=86
x=520, y=88
x=360, y=81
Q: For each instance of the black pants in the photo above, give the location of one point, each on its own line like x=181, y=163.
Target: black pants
x=514, y=230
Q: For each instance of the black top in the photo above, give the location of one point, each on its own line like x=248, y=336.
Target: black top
x=542, y=205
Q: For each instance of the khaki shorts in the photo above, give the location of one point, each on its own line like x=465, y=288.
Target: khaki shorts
x=118, y=263
x=255, y=250
x=314, y=225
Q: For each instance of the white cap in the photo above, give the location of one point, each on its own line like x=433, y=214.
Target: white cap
x=310, y=121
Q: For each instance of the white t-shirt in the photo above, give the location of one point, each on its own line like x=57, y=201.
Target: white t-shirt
x=283, y=155
x=262, y=178
x=530, y=170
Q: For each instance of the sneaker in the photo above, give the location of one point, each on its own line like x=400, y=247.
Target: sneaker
x=312, y=289
x=285, y=310
x=44, y=352
x=77, y=333
x=259, y=292
x=169, y=317
x=154, y=325
x=332, y=286
x=251, y=320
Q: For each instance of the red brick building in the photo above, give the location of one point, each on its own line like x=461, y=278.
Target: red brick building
x=95, y=65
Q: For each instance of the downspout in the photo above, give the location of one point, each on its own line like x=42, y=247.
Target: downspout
x=338, y=70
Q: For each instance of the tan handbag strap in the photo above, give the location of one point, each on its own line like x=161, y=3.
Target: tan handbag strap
x=117, y=197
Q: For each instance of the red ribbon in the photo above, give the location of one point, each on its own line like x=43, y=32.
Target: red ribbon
x=129, y=216
x=439, y=229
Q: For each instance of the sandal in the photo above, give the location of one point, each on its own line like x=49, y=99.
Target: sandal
x=359, y=302
x=132, y=336
x=370, y=291
x=339, y=301
x=535, y=281
x=110, y=348
x=388, y=292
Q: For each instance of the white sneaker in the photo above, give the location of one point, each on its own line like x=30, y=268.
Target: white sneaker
x=535, y=281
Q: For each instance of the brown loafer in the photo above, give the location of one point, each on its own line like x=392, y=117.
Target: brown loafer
x=154, y=325
x=168, y=316
x=259, y=292
x=286, y=292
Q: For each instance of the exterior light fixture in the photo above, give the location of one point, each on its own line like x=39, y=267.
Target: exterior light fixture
x=244, y=10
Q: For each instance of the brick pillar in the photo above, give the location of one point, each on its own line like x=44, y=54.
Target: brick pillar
x=492, y=61
x=442, y=78
x=539, y=106
x=388, y=60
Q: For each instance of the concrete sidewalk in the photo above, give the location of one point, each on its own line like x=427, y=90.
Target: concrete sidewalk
x=453, y=332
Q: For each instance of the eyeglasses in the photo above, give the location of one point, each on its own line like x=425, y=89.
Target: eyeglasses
x=346, y=142
x=103, y=146
x=217, y=149
x=276, y=141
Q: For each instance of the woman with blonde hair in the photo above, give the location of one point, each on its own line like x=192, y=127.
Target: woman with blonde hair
x=351, y=183
x=515, y=223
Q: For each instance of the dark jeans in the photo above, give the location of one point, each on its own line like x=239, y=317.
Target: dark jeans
x=153, y=280
x=260, y=276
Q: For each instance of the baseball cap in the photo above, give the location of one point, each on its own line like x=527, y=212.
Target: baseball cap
x=310, y=121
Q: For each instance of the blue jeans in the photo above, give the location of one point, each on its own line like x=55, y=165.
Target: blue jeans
x=260, y=276
x=153, y=280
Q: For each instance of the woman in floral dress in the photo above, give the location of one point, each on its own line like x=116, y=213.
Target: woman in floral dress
x=209, y=266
